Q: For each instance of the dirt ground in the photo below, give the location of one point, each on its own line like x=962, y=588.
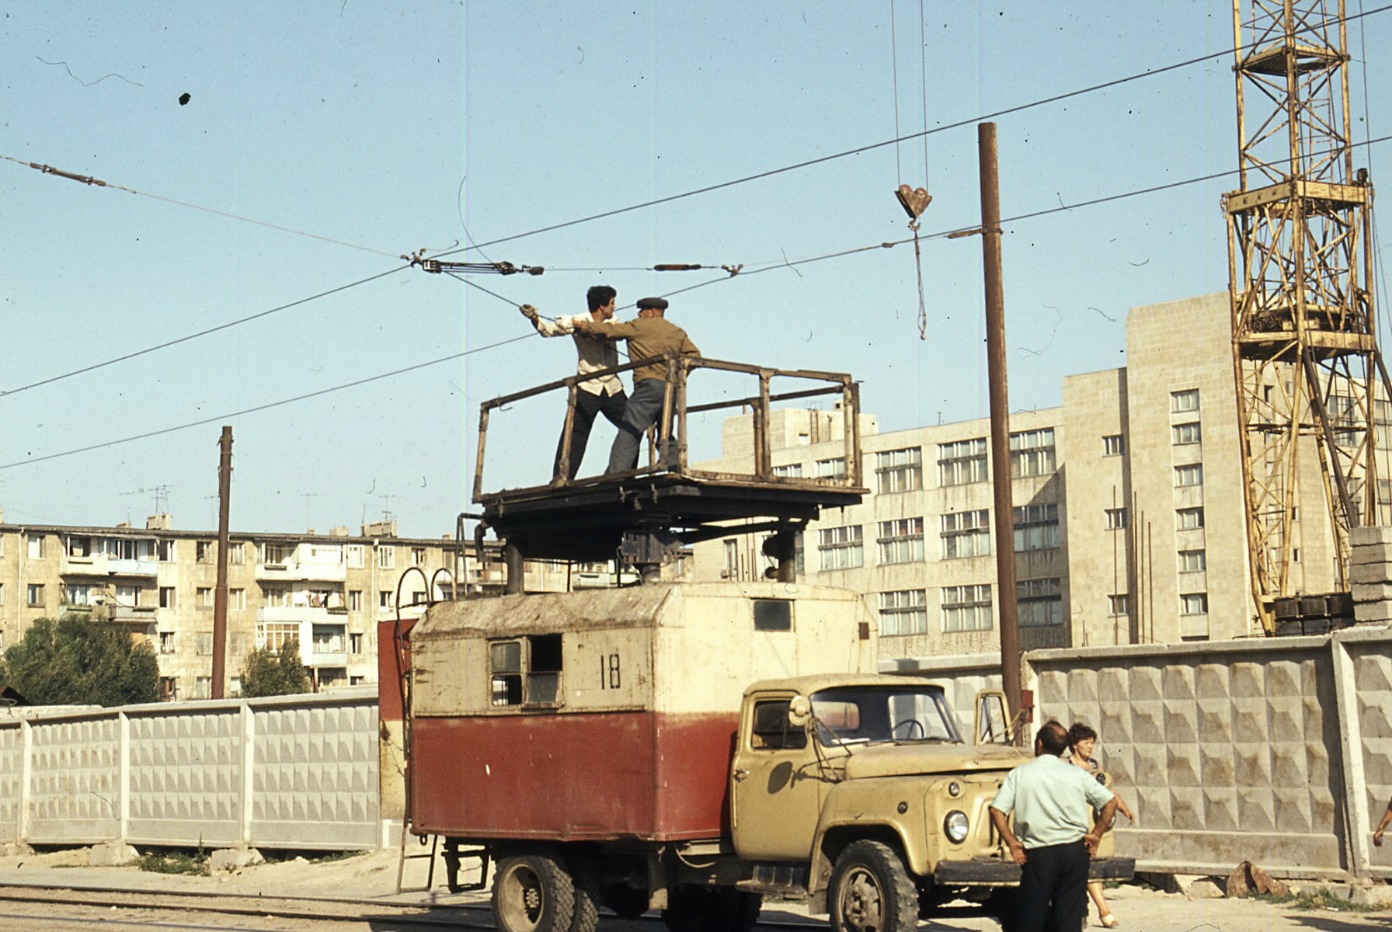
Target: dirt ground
x=373, y=876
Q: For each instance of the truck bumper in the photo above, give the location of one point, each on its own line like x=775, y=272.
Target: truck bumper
x=997, y=872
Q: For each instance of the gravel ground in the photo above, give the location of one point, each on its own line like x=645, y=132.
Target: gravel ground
x=373, y=876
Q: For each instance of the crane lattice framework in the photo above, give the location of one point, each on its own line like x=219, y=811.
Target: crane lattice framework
x=1305, y=353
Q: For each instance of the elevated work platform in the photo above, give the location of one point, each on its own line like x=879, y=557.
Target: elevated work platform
x=645, y=515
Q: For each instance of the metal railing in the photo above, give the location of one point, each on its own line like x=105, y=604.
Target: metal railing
x=672, y=426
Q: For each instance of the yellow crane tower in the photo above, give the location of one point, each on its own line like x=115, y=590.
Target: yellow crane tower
x=1312, y=389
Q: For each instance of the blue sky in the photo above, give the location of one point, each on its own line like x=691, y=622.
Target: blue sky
x=402, y=126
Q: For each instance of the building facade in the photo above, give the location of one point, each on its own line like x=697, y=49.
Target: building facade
x=1128, y=515
x=328, y=592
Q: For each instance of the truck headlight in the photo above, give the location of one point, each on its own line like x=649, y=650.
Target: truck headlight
x=956, y=826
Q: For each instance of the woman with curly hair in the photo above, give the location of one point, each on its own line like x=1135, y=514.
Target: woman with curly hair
x=1082, y=742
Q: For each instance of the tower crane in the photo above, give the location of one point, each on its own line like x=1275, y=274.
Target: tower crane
x=1312, y=389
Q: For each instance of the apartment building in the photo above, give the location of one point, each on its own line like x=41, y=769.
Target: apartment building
x=1128, y=514
x=328, y=591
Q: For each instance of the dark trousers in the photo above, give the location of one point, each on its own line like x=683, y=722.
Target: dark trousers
x=587, y=405
x=643, y=411
x=1053, y=889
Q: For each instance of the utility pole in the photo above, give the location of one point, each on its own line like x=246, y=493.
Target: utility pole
x=220, y=594
x=1000, y=419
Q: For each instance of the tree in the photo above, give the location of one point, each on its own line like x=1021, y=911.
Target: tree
x=78, y=660
x=268, y=672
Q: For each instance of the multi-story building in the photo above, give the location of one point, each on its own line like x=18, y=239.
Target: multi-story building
x=326, y=591
x=1128, y=508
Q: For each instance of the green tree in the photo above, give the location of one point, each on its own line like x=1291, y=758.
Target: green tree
x=267, y=672
x=78, y=660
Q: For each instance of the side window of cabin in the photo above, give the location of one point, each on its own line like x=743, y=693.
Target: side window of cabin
x=773, y=615
x=772, y=731
x=525, y=671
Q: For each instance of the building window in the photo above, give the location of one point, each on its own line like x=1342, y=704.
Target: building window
x=1193, y=603
x=966, y=608
x=1113, y=445
x=204, y=597
x=904, y=611
x=36, y=546
x=901, y=541
x=355, y=643
x=166, y=551
x=791, y=471
x=1032, y=453
x=1119, y=604
x=166, y=596
x=418, y=556
x=386, y=557
x=1036, y=527
x=1186, y=433
x=840, y=548
x=963, y=462
x=36, y=594
x=1040, y=602
x=236, y=553
x=202, y=687
x=965, y=534
x=128, y=596
x=78, y=594
x=1192, y=561
x=203, y=551
x=799, y=554
x=1189, y=475
x=355, y=600
x=832, y=468
x=357, y=556
x=899, y=470
x=277, y=554
x=275, y=596
x=1116, y=519
x=166, y=639
x=1187, y=400
x=275, y=635
x=203, y=643
x=1188, y=519
x=385, y=599
x=236, y=600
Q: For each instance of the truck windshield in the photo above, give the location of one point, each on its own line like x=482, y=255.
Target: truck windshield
x=866, y=714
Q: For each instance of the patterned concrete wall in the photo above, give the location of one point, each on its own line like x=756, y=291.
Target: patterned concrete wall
x=1277, y=751
x=290, y=772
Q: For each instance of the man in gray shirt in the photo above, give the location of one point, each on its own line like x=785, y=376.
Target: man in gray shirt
x=602, y=395
x=1054, y=835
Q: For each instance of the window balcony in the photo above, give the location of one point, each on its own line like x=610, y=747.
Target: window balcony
x=101, y=564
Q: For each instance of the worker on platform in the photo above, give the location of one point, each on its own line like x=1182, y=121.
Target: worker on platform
x=648, y=336
x=600, y=395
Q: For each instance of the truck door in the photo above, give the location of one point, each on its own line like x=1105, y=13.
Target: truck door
x=776, y=785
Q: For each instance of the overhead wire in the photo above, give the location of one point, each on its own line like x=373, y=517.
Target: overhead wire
x=796, y=166
x=194, y=336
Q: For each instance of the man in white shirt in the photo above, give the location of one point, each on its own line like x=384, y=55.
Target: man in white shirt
x=602, y=395
x=1054, y=834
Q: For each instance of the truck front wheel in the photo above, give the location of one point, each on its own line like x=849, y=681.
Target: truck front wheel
x=871, y=892
x=532, y=893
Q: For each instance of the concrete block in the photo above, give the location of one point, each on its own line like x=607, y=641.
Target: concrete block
x=112, y=854
x=1366, y=536
x=1372, y=592
x=1200, y=888
x=232, y=859
x=1375, y=895
x=1375, y=572
x=1372, y=612
x=12, y=849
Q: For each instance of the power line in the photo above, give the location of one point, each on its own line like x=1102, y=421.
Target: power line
x=98, y=183
x=264, y=407
x=202, y=333
x=879, y=145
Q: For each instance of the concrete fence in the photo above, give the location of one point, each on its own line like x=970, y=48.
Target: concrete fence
x=286, y=772
x=1277, y=751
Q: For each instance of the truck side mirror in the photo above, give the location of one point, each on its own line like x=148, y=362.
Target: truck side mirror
x=992, y=720
x=799, y=711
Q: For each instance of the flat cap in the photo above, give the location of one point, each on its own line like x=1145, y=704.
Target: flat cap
x=659, y=303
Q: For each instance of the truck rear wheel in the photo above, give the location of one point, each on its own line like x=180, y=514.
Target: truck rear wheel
x=871, y=892
x=532, y=893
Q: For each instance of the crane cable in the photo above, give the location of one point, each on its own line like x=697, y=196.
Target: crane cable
x=913, y=200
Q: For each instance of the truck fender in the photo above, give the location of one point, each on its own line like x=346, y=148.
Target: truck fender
x=833, y=837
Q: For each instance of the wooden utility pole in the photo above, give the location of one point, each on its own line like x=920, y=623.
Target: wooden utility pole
x=1000, y=418
x=220, y=594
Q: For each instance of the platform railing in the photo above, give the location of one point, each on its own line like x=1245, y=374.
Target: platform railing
x=672, y=430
